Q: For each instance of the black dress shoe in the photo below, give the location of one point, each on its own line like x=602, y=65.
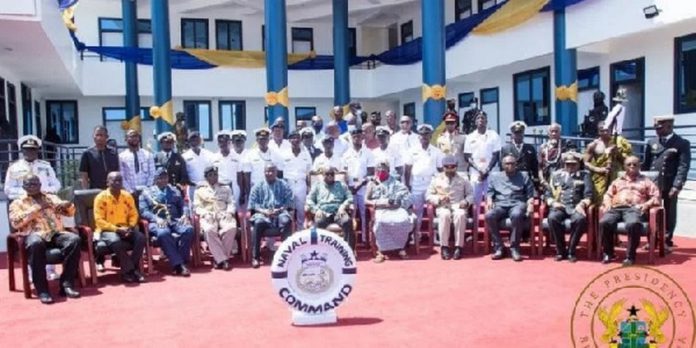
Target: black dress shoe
x=101, y=268
x=627, y=262
x=255, y=263
x=445, y=253
x=559, y=257
x=224, y=265
x=67, y=291
x=457, y=253
x=128, y=278
x=139, y=277
x=45, y=298
x=184, y=271
x=607, y=258
x=515, y=255
x=572, y=258
x=498, y=255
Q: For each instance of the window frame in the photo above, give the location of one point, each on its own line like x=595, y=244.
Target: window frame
x=464, y=94
x=12, y=109
x=546, y=95
x=352, y=42
x=194, y=21
x=234, y=120
x=304, y=108
x=205, y=137
x=458, y=13
x=3, y=100
x=482, y=2
x=678, y=69
x=228, y=22
x=595, y=70
x=141, y=21
x=27, y=110
x=402, y=28
x=50, y=124
x=293, y=39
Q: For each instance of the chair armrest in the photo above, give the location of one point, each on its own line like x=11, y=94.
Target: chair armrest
x=656, y=219
x=85, y=232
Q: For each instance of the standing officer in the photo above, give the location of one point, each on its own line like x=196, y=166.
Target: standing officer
x=525, y=154
x=172, y=161
x=30, y=164
x=451, y=141
x=569, y=195
x=670, y=155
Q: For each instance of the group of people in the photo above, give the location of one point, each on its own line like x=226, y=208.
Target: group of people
x=326, y=172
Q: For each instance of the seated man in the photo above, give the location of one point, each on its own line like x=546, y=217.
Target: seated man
x=509, y=192
x=37, y=216
x=116, y=218
x=329, y=202
x=163, y=207
x=569, y=195
x=392, y=221
x=628, y=199
x=452, y=195
x=214, y=203
x=271, y=202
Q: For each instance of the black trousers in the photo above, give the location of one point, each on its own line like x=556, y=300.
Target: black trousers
x=69, y=245
x=263, y=227
x=578, y=224
x=346, y=225
x=633, y=218
x=120, y=247
x=670, y=205
x=496, y=217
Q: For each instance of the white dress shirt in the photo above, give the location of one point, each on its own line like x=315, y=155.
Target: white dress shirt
x=196, y=164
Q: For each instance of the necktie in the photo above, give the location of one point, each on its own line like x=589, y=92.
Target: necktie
x=136, y=162
x=663, y=141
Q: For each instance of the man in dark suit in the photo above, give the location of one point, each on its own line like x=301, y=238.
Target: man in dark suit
x=524, y=154
x=171, y=161
x=670, y=155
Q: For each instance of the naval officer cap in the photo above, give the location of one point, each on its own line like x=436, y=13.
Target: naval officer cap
x=355, y=130
x=238, y=133
x=160, y=171
x=222, y=134
x=663, y=118
x=383, y=130
x=571, y=157
x=194, y=134
x=29, y=142
x=450, y=117
x=209, y=169
x=166, y=136
x=327, y=140
x=262, y=132
x=293, y=134
x=306, y=132
x=449, y=160
x=518, y=126
x=425, y=129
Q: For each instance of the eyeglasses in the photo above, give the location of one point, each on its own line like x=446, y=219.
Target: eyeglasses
x=32, y=183
x=508, y=163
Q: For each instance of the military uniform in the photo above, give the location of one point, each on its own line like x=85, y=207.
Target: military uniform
x=453, y=144
x=526, y=155
x=172, y=162
x=215, y=206
x=21, y=168
x=570, y=190
x=457, y=190
x=671, y=157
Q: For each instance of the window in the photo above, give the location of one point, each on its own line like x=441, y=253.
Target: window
x=352, y=41
x=406, y=32
x=198, y=117
x=490, y=105
x=12, y=108
x=410, y=110
x=27, y=112
x=263, y=37
x=37, y=118
x=62, y=116
x=465, y=100
x=111, y=32
x=3, y=102
x=588, y=79
x=228, y=35
x=302, y=40
x=232, y=114
x=685, y=74
x=194, y=33
x=532, y=97
x=462, y=9
x=305, y=113
x=486, y=4
x=112, y=117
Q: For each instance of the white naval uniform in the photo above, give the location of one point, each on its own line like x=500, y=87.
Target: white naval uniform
x=195, y=165
x=481, y=147
x=393, y=155
x=295, y=171
x=424, y=165
x=257, y=160
x=355, y=164
x=14, y=179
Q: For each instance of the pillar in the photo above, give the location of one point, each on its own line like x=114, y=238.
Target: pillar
x=276, y=60
x=341, y=53
x=434, y=90
x=130, y=39
x=565, y=76
x=161, y=67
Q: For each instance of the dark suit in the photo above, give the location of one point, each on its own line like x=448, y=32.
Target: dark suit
x=527, y=160
x=314, y=152
x=568, y=189
x=672, y=160
x=175, y=165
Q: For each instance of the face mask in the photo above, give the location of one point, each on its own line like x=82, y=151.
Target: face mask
x=382, y=175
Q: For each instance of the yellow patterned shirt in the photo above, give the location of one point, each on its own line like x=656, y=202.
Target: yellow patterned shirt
x=112, y=212
x=27, y=217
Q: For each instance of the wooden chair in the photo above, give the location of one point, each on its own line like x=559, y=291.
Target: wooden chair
x=199, y=252
x=532, y=220
x=474, y=227
x=542, y=229
x=654, y=228
x=84, y=219
x=333, y=227
x=427, y=227
x=16, y=252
